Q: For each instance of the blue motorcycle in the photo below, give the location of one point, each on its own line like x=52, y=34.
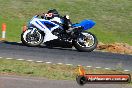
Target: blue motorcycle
x=77, y=35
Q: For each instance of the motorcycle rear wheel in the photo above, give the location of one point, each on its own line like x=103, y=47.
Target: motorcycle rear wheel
x=86, y=42
x=33, y=40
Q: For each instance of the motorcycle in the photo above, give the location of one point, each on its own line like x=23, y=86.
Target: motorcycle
x=77, y=36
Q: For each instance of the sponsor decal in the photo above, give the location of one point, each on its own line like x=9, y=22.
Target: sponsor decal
x=83, y=78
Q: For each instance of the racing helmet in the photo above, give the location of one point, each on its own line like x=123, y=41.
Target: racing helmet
x=52, y=13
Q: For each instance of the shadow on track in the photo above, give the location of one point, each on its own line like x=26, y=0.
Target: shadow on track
x=13, y=43
x=51, y=45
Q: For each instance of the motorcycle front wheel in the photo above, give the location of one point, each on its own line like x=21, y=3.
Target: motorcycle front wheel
x=30, y=39
x=86, y=42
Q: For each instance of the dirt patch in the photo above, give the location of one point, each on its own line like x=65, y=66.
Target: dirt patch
x=2, y=39
x=121, y=48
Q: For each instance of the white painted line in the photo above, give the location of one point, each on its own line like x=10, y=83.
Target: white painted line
x=60, y=63
x=126, y=70
x=79, y=65
x=19, y=42
x=29, y=60
x=48, y=62
x=9, y=58
x=20, y=59
x=1, y=57
x=89, y=66
x=69, y=64
x=97, y=67
x=107, y=68
x=39, y=61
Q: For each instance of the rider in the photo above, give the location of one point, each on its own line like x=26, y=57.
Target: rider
x=55, y=17
x=51, y=15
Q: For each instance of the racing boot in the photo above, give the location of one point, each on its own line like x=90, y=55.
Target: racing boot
x=69, y=30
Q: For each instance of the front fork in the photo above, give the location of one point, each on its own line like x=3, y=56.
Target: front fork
x=32, y=31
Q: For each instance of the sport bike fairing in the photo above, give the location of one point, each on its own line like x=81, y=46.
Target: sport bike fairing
x=86, y=24
x=45, y=24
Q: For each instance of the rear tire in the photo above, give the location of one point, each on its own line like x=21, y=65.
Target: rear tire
x=84, y=45
x=28, y=41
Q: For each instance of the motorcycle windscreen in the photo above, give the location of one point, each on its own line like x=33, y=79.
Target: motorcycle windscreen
x=86, y=24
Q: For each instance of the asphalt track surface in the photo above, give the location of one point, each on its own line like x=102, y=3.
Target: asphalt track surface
x=65, y=56
x=26, y=82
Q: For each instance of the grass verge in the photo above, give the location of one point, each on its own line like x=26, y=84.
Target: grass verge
x=113, y=17
x=50, y=71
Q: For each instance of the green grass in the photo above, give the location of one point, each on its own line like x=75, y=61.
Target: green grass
x=113, y=17
x=50, y=71
x=23, y=68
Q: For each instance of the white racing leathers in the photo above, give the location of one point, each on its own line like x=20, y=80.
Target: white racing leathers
x=39, y=23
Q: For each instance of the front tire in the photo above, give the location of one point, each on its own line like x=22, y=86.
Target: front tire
x=86, y=42
x=33, y=40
